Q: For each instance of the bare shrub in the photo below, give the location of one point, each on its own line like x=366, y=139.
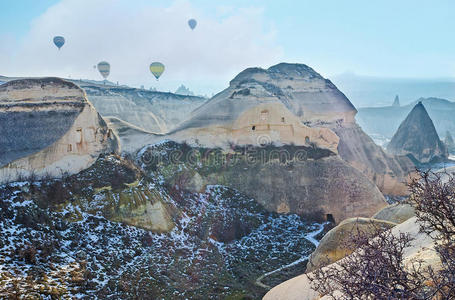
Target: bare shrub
x=28, y=254
x=433, y=196
x=375, y=271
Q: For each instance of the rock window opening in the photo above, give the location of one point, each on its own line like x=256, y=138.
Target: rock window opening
x=264, y=115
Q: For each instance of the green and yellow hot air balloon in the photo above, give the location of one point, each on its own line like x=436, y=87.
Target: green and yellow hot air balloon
x=157, y=69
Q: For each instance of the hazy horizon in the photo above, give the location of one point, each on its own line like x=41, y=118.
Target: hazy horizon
x=333, y=38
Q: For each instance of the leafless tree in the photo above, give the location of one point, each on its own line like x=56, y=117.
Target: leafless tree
x=433, y=196
x=375, y=271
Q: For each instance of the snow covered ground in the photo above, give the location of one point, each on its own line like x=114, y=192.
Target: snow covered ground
x=222, y=243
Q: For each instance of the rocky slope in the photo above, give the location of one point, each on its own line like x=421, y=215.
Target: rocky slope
x=417, y=138
x=112, y=231
x=47, y=126
x=308, y=181
x=131, y=137
x=153, y=111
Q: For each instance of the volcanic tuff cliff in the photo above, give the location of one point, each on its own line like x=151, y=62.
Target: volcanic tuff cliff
x=417, y=138
x=47, y=126
x=153, y=111
x=309, y=181
x=292, y=104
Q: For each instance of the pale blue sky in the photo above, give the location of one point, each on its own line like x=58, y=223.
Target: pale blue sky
x=380, y=38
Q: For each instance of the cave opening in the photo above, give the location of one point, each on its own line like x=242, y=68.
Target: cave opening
x=330, y=218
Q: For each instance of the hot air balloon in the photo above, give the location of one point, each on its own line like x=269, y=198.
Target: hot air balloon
x=192, y=23
x=104, y=68
x=157, y=69
x=59, y=41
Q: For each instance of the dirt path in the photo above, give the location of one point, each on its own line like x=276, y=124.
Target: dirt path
x=311, y=238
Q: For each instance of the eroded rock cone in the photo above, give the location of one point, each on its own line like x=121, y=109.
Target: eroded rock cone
x=417, y=138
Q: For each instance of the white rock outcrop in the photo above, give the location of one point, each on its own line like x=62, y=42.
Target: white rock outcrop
x=48, y=127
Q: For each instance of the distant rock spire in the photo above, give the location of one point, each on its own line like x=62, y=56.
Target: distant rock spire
x=396, y=102
x=417, y=138
x=183, y=90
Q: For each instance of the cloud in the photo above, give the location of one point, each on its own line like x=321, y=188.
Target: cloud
x=130, y=37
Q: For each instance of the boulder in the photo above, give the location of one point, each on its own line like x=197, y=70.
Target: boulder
x=333, y=245
x=138, y=206
x=395, y=213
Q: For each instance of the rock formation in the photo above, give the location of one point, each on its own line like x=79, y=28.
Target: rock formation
x=390, y=173
x=417, y=138
x=292, y=104
x=384, y=121
x=396, y=102
x=152, y=111
x=308, y=181
x=47, y=126
x=183, y=90
x=334, y=245
x=396, y=213
x=450, y=144
x=131, y=137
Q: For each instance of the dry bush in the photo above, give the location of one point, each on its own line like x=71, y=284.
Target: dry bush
x=375, y=271
x=433, y=196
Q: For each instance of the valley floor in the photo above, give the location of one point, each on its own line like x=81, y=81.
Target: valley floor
x=43, y=253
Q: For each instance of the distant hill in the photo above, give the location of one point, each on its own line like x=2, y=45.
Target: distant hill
x=384, y=121
x=364, y=91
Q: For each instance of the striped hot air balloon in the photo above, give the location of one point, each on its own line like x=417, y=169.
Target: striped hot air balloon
x=104, y=68
x=192, y=23
x=59, y=41
x=157, y=69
